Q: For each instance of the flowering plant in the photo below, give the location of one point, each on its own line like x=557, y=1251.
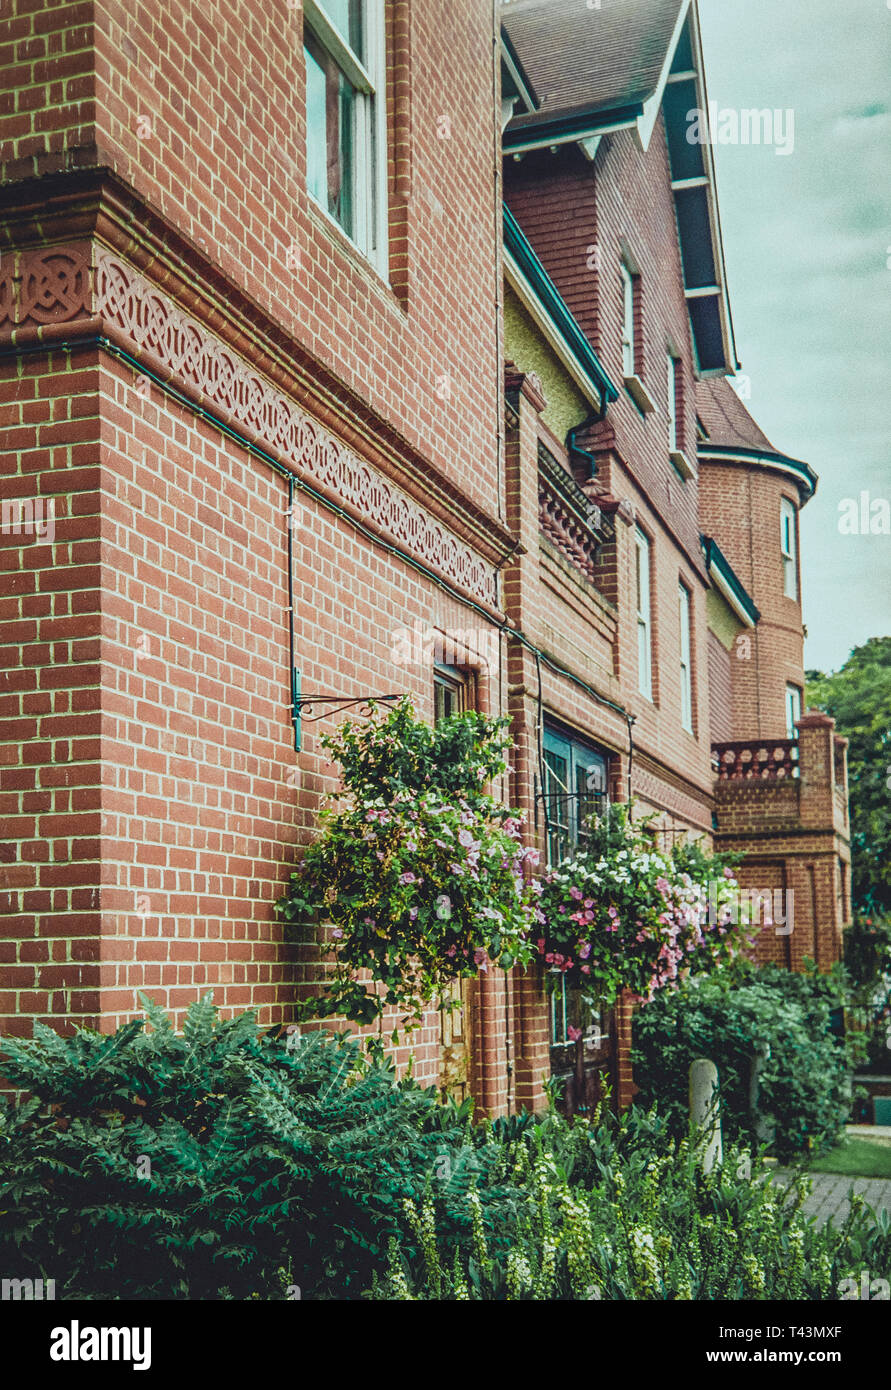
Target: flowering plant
x=421, y=876
x=623, y=915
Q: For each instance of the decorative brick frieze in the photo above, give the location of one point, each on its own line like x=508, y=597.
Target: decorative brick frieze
x=50, y=285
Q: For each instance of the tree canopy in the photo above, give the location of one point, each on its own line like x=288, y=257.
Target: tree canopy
x=858, y=697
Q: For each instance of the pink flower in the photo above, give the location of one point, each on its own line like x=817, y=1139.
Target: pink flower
x=465, y=838
x=408, y=878
x=540, y=945
x=586, y=970
x=585, y=951
x=573, y=1033
x=574, y=893
x=612, y=912
x=338, y=932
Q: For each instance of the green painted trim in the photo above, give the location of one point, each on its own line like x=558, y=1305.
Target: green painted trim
x=563, y=129
x=803, y=471
x=717, y=560
x=556, y=307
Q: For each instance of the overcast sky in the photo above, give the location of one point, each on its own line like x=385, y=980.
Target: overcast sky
x=808, y=246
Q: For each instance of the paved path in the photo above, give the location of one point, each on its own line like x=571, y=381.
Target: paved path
x=829, y=1194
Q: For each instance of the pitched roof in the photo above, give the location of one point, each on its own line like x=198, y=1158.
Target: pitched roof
x=726, y=419
x=597, y=59
x=732, y=431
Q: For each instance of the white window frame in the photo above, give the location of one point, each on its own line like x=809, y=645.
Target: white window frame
x=671, y=372
x=643, y=550
x=685, y=603
x=370, y=124
x=793, y=710
x=789, y=547
x=629, y=349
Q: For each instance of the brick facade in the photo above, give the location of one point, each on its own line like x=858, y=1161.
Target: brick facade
x=188, y=345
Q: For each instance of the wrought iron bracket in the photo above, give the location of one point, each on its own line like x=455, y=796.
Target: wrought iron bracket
x=304, y=703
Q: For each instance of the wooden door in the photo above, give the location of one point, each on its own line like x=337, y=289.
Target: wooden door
x=454, y=1063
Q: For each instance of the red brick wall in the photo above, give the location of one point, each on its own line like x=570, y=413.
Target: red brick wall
x=158, y=867
x=720, y=681
x=622, y=204
x=741, y=509
x=51, y=774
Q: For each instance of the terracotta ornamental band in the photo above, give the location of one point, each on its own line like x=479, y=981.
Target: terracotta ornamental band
x=52, y=287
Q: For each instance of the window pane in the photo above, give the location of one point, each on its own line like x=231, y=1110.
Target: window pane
x=628, y=323
x=672, y=404
x=558, y=804
x=346, y=16
x=686, y=673
x=330, y=120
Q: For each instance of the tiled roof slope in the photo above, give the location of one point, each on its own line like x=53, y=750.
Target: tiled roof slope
x=726, y=419
x=597, y=59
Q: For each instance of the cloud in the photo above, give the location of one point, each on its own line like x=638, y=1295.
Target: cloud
x=808, y=246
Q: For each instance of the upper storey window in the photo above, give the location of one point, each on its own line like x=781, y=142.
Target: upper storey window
x=644, y=615
x=344, y=50
x=789, y=548
x=629, y=360
x=631, y=348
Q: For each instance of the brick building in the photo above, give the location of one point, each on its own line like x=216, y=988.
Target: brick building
x=323, y=326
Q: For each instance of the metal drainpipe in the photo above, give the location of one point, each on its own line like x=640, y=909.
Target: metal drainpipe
x=295, y=674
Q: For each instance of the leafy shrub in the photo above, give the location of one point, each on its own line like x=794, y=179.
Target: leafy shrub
x=618, y=1211
x=222, y=1163
x=156, y=1164
x=868, y=963
x=804, y=1083
x=420, y=875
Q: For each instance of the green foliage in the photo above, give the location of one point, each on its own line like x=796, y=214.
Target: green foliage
x=420, y=874
x=618, y=1211
x=220, y=1162
x=157, y=1165
x=621, y=915
x=859, y=699
x=868, y=963
x=804, y=1084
